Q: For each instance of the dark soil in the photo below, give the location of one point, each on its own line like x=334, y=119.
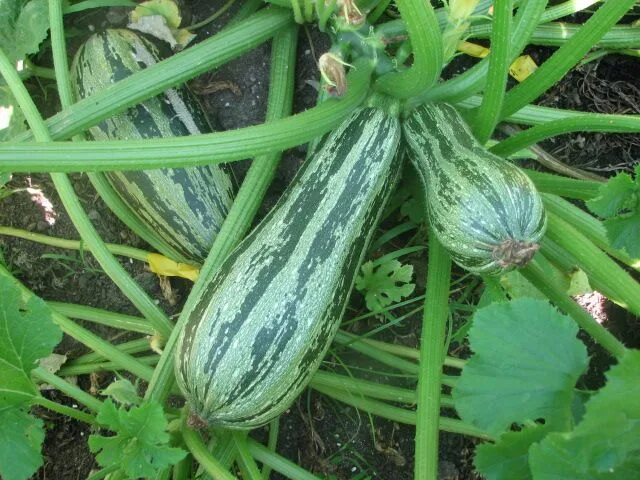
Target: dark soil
x=320, y=434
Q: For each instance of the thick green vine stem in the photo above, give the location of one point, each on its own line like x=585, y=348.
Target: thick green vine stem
x=564, y=186
x=246, y=204
x=473, y=80
x=566, y=56
x=201, y=453
x=193, y=61
x=595, y=263
x=555, y=293
x=589, y=226
x=179, y=152
x=585, y=123
x=486, y=117
x=114, y=248
x=432, y=353
x=424, y=32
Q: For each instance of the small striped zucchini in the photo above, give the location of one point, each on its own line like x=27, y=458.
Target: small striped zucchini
x=186, y=207
x=485, y=211
x=266, y=319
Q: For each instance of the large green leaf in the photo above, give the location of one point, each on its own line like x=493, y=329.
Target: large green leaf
x=508, y=457
x=21, y=437
x=27, y=334
x=526, y=362
x=606, y=443
x=23, y=26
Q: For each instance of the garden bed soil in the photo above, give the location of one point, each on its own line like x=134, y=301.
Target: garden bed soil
x=318, y=433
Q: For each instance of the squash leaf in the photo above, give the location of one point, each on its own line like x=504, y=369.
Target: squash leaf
x=526, y=359
x=140, y=445
x=619, y=204
x=508, y=457
x=387, y=283
x=27, y=334
x=23, y=26
x=606, y=443
x=22, y=436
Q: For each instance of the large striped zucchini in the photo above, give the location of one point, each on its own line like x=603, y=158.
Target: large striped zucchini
x=265, y=320
x=185, y=207
x=484, y=210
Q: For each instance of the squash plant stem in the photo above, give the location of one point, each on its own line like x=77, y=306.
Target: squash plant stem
x=432, y=353
x=555, y=293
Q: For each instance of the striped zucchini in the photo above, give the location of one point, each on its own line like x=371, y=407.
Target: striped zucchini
x=266, y=319
x=185, y=207
x=484, y=210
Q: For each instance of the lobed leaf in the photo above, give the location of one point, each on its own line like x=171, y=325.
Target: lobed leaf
x=526, y=359
x=27, y=334
x=22, y=436
x=140, y=446
x=385, y=284
x=606, y=443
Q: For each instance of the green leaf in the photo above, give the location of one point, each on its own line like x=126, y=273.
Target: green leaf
x=12, y=121
x=22, y=436
x=23, y=26
x=619, y=204
x=508, y=458
x=388, y=283
x=123, y=391
x=140, y=445
x=624, y=232
x=526, y=360
x=606, y=443
x=615, y=196
x=27, y=334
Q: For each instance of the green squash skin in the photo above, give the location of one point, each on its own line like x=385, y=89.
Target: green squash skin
x=484, y=210
x=186, y=207
x=267, y=317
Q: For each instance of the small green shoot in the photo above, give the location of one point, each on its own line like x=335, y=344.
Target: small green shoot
x=385, y=284
x=140, y=445
x=619, y=204
x=123, y=392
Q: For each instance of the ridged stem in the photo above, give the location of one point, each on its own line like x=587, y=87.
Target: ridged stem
x=367, y=388
x=103, y=317
x=179, y=152
x=586, y=123
x=400, y=415
x=425, y=36
x=277, y=462
x=248, y=467
x=595, y=263
x=566, y=56
x=193, y=61
x=473, y=80
x=555, y=293
x=244, y=207
x=69, y=389
x=64, y=410
x=116, y=249
x=589, y=226
x=432, y=353
x=272, y=444
x=199, y=450
x=486, y=117
x=564, y=186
